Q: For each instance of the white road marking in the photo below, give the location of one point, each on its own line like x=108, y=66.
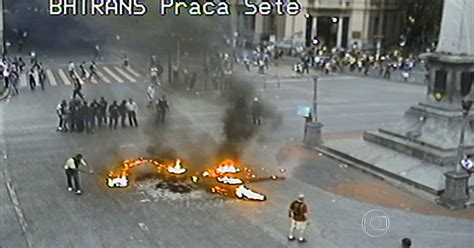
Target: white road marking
x=114, y=76
x=128, y=77
x=63, y=77
x=93, y=80
x=132, y=71
x=103, y=77
x=51, y=78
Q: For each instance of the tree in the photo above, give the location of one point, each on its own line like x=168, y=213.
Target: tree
x=423, y=21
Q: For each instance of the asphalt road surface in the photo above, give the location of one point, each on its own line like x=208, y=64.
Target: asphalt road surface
x=37, y=210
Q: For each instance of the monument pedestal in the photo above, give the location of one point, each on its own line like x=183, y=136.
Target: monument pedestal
x=456, y=193
x=431, y=130
x=312, y=134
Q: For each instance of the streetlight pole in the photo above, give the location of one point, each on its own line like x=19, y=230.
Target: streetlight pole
x=456, y=190
x=315, y=99
x=312, y=134
x=466, y=106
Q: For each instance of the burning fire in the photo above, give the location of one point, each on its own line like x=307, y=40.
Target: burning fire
x=227, y=178
x=177, y=168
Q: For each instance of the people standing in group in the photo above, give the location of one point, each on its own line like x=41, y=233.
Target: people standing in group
x=162, y=108
x=298, y=214
x=62, y=112
x=123, y=112
x=102, y=114
x=72, y=169
x=132, y=109
x=113, y=115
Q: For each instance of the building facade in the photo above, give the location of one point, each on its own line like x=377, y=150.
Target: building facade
x=334, y=23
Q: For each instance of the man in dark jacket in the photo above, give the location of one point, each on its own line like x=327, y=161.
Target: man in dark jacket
x=102, y=115
x=114, y=114
x=162, y=107
x=123, y=112
x=94, y=113
x=256, y=112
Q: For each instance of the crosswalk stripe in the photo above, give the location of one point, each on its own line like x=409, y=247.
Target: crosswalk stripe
x=115, y=77
x=132, y=71
x=93, y=80
x=63, y=77
x=80, y=79
x=51, y=78
x=128, y=77
x=103, y=77
x=23, y=81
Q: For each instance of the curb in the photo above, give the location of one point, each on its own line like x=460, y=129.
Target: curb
x=390, y=179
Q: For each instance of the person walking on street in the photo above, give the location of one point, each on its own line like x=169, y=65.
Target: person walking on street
x=61, y=111
x=82, y=67
x=114, y=114
x=162, y=107
x=72, y=168
x=32, y=80
x=102, y=114
x=71, y=68
x=150, y=95
x=123, y=112
x=92, y=70
x=256, y=112
x=299, y=218
x=77, y=89
x=41, y=77
x=97, y=52
x=132, y=109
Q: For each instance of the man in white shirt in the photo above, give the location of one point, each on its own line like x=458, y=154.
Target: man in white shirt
x=132, y=109
x=71, y=68
x=467, y=164
x=72, y=172
x=150, y=95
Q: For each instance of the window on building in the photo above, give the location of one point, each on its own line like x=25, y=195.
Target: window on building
x=440, y=81
x=466, y=82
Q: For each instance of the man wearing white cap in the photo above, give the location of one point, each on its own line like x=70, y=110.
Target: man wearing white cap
x=299, y=218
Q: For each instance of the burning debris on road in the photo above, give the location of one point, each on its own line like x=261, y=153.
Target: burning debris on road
x=227, y=178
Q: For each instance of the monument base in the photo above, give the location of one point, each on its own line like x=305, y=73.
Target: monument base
x=456, y=192
x=427, y=132
x=312, y=134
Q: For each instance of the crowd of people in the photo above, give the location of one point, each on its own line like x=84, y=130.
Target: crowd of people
x=11, y=69
x=79, y=116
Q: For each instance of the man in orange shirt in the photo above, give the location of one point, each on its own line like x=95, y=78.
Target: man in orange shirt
x=299, y=218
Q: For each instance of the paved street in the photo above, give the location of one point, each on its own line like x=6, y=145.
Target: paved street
x=38, y=211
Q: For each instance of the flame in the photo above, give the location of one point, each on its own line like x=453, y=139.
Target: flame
x=177, y=168
x=229, y=180
x=246, y=193
x=227, y=177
